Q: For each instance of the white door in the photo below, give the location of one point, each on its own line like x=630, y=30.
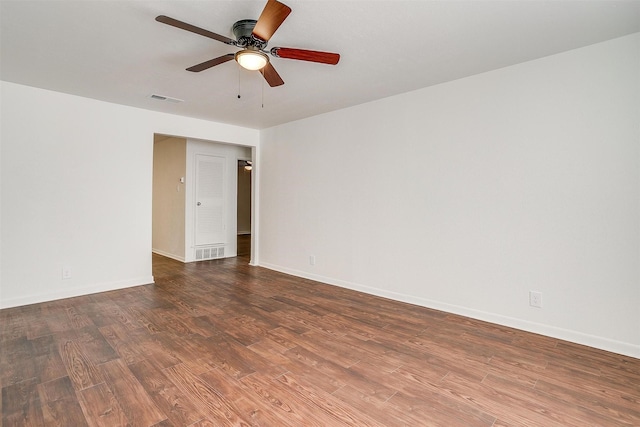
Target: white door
x=210, y=219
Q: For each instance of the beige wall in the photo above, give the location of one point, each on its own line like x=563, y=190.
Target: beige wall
x=169, y=166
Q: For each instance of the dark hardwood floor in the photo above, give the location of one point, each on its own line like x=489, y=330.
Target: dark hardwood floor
x=219, y=343
x=244, y=245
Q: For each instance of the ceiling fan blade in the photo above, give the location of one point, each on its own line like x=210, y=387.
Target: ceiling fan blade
x=306, y=55
x=211, y=63
x=272, y=16
x=271, y=75
x=194, y=29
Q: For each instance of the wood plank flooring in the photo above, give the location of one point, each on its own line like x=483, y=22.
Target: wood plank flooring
x=220, y=343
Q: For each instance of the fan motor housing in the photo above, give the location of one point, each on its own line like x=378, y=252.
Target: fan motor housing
x=243, y=30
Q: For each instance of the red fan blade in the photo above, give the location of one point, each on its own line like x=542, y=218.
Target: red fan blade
x=306, y=55
x=271, y=75
x=194, y=29
x=211, y=63
x=272, y=16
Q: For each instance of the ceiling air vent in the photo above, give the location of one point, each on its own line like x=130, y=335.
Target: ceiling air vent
x=165, y=98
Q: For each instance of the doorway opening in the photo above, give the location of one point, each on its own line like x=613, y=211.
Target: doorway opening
x=183, y=169
x=245, y=167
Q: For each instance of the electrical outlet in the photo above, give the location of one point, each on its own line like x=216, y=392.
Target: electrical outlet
x=312, y=260
x=535, y=299
x=66, y=273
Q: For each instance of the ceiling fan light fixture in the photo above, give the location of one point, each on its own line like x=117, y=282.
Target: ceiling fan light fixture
x=251, y=59
x=252, y=37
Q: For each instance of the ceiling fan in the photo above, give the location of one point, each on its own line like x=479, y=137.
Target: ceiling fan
x=252, y=36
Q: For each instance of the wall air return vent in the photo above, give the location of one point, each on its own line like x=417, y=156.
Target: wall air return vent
x=165, y=98
x=210, y=252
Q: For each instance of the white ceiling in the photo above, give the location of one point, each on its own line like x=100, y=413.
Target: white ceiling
x=115, y=50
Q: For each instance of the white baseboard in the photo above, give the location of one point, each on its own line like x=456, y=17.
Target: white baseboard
x=168, y=255
x=75, y=292
x=602, y=343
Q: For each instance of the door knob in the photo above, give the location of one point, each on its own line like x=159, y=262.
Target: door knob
x=198, y=203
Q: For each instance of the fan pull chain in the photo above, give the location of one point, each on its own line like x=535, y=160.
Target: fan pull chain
x=238, y=82
x=262, y=93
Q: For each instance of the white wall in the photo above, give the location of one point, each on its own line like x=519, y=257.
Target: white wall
x=465, y=196
x=169, y=189
x=231, y=154
x=76, y=191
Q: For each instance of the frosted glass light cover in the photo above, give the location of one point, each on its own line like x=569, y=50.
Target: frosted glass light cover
x=251, y=60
